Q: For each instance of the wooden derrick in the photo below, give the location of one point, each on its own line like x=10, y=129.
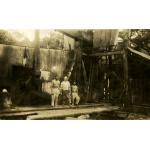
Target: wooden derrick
x=103, y=42
x=109, y=73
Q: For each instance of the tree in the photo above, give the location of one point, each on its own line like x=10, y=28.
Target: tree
x=140, y=38
x=6, y=38
x=53, y=41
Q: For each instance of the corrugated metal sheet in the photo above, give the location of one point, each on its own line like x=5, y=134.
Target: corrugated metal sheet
x=69, y=41
x=48, y=57
x=103, y=38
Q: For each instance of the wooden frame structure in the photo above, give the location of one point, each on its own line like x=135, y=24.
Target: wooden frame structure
x=139, y=81
x=88, y=79
x=108, y=55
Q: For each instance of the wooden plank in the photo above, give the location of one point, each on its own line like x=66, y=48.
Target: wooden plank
x=73, y=34
x=44, y=108
x=104, y=53
x=17, y=114
x=71, y=112
x=139, y=53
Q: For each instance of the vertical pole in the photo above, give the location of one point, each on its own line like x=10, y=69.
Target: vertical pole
x=78, y=62
x=89, y=82
x=84, y=73
x=125, y=66
x=36, y=57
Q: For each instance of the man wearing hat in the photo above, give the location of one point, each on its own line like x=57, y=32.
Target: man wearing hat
x=66, y=90
x=6, y=99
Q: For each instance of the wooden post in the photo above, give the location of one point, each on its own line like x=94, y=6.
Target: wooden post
x=89, y=82
x=84, y=73
x=91, y=79
x=36, y=57
x=125, y=67
x=78, y=62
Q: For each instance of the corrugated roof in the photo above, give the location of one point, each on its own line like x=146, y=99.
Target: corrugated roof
x=73, y=33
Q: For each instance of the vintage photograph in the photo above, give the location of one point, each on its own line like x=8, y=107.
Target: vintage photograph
x=75, y=74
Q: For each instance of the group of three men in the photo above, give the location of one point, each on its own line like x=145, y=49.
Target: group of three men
x=68, y=92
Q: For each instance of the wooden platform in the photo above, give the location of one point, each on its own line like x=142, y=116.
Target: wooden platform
x=70, y=112
x=47, y=112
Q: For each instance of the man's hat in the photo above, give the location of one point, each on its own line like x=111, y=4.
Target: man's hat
x=4, y=91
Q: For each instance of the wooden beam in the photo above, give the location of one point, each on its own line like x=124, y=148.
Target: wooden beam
x=126, y=78
x=139, y=53
x=104, y=53
x=69, y=35
x=84, y=73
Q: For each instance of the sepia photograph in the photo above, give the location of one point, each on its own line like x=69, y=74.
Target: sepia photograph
x=75, y=74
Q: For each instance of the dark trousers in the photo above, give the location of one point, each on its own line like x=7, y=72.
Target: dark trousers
x=66, y=96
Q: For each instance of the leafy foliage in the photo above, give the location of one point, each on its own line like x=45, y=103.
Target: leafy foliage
x=53, y=41
x=6, y=38
x=140, y=39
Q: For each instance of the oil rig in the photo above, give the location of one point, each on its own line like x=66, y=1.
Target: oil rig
x=112, y=75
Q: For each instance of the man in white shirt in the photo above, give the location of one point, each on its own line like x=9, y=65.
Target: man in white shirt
x=66, y=89
x=55, y=91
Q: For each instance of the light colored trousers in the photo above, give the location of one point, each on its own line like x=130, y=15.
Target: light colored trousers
x=55, y=96
x=76, y=97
